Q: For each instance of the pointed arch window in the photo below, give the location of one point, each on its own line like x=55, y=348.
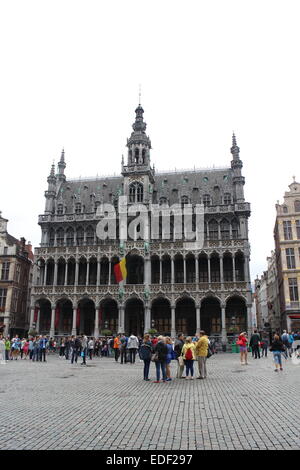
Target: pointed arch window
x=225, y=229
x=70, y=237
x=90, y=235
x=162, y=201
x=235, y=228
x=80, y=236
x=184, y=200
x=51, y=237
x=136, y=192
x=297, y=206
x=60, y=237
x=213, y=230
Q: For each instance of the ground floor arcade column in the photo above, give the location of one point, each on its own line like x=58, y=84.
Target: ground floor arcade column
x=173, y=330
x=121, y=319
x=223, y=319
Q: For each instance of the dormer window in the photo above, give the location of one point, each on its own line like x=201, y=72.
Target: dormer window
x=162, y=201
x=227, y=199
x=206, y=200
x=297, y=206
x=184, y=200
x=78, y=208
x=60, y=209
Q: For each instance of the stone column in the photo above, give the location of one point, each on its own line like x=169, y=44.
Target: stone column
x=198, y=322
x=173, y=322
x=246, y=269
x=233, y=267
x=147, y=318
x=45, y=274
x=109, y=272
x=221, y=270
x=209, y=276
x=184, y=270
x=74, y=321
x=52, y=331
x=55, y=273
x=160, y=270
x=172, y=271
x=76, y=272
x=224, y=332
x=96, y=329
x=249, y=321
x=98, y=272
x=196, y=270
x=87, y=272
x=32, y=309
x=121, y=326
x=66, y=273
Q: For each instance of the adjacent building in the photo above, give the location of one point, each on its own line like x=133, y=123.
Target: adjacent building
x=287, y=246
x=172, y=286
x=16, y=270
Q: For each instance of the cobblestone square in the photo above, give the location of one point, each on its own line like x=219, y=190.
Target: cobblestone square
x=106, y=405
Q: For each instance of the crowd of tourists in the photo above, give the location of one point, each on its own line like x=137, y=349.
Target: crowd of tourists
x=159, y=350
x=281, y=345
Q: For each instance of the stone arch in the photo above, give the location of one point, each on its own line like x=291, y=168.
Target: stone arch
x=86, y=314
x=108, y=314
x=236, y=314
x=45, y=309
x=185, y=315
x=135, y=269
x=134, y=316
x=211, y=315
x=161, y=315
x=63, y=316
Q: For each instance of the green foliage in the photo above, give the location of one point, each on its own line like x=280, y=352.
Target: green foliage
x=152, y=331
x=106, y=333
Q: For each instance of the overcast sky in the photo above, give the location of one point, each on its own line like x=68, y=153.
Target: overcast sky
x=70, y=75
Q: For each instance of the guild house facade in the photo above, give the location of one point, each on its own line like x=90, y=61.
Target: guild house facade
x=171, y=286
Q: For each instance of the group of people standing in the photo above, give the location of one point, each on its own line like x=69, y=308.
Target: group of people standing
x=33, y=348
x=280, y=345
x=185, y=351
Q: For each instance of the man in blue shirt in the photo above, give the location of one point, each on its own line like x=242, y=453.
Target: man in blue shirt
x=42, y=347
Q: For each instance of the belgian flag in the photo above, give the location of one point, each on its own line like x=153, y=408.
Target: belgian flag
x=120, y=270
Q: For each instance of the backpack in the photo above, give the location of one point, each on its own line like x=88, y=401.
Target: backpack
x=189, y=354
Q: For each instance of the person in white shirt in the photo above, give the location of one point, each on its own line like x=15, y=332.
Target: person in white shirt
x=132, y=346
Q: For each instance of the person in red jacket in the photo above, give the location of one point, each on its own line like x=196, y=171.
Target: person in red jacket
x=242, y=343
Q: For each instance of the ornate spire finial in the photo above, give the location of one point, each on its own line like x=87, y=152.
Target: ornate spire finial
x=62, y=157
x=140, y=93
x=234, y=149
x=294, y=178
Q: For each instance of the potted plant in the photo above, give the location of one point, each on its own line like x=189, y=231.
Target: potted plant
x=152, y=331
x=106, y=333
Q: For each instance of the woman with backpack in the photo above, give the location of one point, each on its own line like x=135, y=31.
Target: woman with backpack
x=188, y=353
x=277, y=347
x=145, y=353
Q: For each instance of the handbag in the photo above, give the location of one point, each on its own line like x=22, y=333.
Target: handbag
x=181, y=361
x=154, y=357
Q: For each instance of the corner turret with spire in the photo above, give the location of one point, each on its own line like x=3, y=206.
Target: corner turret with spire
x=237, y=165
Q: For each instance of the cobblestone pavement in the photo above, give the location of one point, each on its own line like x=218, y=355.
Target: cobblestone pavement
x=106, y=405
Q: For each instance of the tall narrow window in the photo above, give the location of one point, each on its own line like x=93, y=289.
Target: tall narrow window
x=290, y=258
x=80, y=236
x=293, y=287
x=213, y=230
x=60, y=237
x=287, y=230
x=70, y=237
x=235, y=228
x=5, y=271
x=225, y=230
x=3, y=294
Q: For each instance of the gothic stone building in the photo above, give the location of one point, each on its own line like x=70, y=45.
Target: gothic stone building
x=170, y=287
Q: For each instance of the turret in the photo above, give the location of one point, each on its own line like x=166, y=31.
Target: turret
x=51, y=193
x=237, y=165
